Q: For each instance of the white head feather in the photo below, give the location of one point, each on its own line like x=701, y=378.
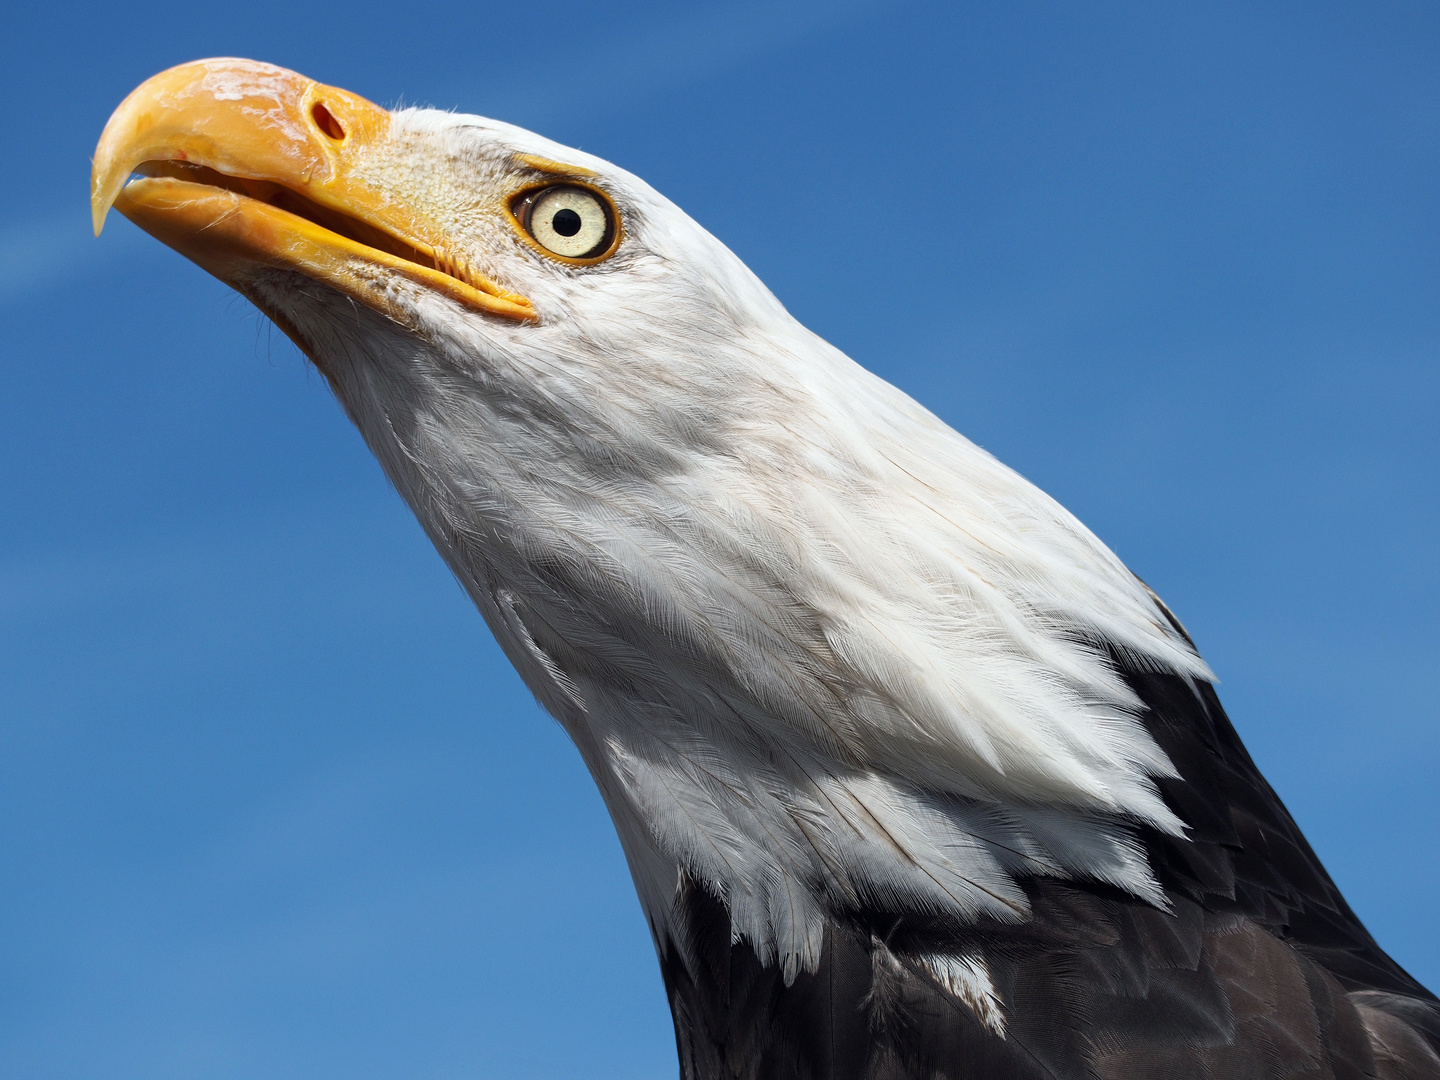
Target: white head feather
x=817, y=649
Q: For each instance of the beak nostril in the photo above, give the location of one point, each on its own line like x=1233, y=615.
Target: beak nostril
x=326, y=122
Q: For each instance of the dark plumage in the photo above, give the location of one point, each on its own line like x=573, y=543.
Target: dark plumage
x=1260, y=970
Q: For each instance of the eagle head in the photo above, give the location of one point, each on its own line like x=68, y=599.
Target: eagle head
x=820, y=652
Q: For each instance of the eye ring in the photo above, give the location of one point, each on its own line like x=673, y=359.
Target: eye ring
x=570, y=222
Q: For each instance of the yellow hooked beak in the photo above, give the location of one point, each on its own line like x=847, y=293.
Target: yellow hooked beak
x=249, y=165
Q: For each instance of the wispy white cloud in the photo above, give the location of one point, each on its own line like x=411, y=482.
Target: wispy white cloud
x=319, y=547
x=642, y=61
x=59, y=583
x=48, y=250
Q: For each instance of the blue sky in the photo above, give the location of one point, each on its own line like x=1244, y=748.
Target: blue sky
x=272, y=803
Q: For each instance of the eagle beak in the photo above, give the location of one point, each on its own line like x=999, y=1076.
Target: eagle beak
x=251, y=166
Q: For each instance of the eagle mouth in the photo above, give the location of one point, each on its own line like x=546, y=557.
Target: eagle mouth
x=345, y=225
x=220, y=207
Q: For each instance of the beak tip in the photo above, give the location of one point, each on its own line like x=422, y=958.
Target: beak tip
x=99, y=204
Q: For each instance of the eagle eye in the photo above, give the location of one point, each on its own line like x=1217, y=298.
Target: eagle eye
x=573, y=222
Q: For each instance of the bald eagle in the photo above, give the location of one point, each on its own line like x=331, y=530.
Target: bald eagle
x=915, y=779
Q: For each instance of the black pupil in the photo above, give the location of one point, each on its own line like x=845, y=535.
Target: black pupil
x=566, y=222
